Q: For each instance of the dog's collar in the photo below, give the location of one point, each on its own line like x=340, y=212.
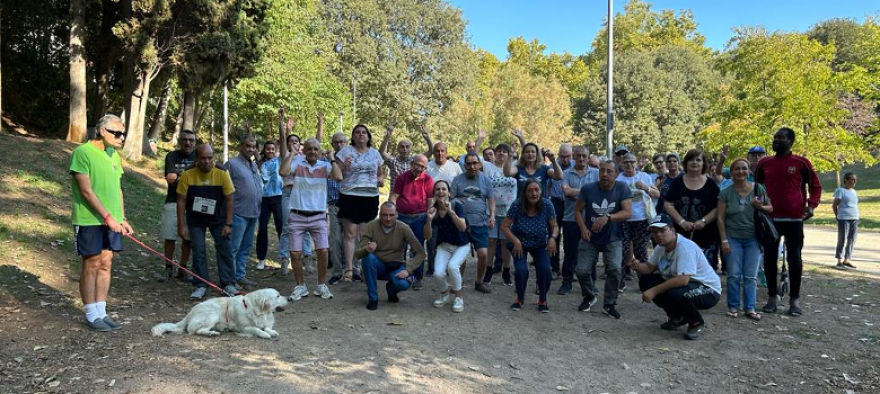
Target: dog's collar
x=226, y=309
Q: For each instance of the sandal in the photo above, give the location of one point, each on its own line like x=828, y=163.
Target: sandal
x=732, y=313
x=347, y=275
x=753, y=315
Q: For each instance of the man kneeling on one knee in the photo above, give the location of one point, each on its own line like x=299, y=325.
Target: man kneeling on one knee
x=678, y=278
x=382, y=252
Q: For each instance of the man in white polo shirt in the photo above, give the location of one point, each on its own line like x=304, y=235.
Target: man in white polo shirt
x=308, y=212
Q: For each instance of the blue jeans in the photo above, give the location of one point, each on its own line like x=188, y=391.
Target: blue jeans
x=242, y=241
x=742, y=266
x=221, y=247
x=542, y=271
x=847, y=231
x=416, y=222
x=374, y=269
x=284, y=238
x=270, y=206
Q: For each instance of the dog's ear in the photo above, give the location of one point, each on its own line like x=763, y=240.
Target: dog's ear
x=267, y=305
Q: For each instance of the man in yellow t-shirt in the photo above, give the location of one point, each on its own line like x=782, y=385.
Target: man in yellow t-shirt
x=98, y=216
x=205, y=203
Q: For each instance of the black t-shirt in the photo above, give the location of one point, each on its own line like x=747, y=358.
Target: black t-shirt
x=176, y=162
x=445, y=227
x=692, y=205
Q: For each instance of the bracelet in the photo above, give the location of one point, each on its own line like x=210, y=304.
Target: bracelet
x=107, y=215
x=725, y=242
x=681, y=221
x=228, y=225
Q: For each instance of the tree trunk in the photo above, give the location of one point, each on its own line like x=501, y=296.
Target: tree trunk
x=178, y=124
x=135, y=105
x=76, y=131
x=1, y=79
x=158, y=123
x=189, y=110
x=106, y=44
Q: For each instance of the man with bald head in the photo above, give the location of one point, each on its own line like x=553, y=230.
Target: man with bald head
x=396, y=164
x=413, y=193
x=205, y=203
x=441, y=168
x=248, y=197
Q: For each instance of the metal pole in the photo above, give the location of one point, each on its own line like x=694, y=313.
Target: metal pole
x=340, y=121
x=609, y=115
x=225, y=121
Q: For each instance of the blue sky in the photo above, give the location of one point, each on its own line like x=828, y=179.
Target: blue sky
x=571, y=25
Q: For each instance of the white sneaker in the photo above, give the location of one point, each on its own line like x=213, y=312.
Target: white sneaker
x=261, y=265
x=323, y=291
x=199, y=293
x=458, y=305
x=298, y=293
x=442, y=300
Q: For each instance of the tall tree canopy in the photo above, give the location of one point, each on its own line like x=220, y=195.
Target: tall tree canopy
x=406, y=59
x=786, y=79
x=660, y=97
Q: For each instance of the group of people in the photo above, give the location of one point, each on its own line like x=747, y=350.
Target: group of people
x=486, y=203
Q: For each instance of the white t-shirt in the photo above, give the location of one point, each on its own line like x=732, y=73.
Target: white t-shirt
x=447, y=172
x=686, y=259
x=640, y=197
x=849, y=204
x=361, y=178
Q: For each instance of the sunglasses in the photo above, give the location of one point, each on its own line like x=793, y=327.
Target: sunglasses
x=116, y=133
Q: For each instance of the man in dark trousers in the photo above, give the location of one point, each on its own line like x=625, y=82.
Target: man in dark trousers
x=794, y=188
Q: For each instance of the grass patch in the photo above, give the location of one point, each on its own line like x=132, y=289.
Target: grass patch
x=868, y=189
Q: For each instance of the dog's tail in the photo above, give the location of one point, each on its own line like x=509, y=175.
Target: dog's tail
x=162, y=328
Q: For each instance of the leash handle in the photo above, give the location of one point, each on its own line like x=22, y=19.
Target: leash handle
x=143, y=245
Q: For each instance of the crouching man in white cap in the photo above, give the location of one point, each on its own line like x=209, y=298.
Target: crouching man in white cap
x=678, y=278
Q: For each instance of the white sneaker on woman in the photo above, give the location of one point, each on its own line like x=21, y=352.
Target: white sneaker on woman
x=458, y=305
x=442, y=300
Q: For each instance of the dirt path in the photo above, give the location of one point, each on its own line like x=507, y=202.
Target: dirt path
x=337, y=346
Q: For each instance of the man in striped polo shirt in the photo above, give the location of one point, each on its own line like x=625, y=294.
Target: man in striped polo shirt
x=308, y=212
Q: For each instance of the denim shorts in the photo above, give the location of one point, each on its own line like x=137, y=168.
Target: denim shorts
x=495, y=232
x=479, y=236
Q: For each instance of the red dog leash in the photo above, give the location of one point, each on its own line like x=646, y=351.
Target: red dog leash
x=143, y=245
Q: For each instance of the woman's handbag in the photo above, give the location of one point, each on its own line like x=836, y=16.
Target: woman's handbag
x=765, y=230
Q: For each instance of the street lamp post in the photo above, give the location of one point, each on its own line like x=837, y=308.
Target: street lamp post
x=609, y=115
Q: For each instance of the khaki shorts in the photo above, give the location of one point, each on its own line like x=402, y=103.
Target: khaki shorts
x=169, y=222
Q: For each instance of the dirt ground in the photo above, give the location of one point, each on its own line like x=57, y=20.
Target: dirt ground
x=337, y=346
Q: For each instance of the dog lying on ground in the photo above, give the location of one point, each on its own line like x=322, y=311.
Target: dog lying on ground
x=248, y=315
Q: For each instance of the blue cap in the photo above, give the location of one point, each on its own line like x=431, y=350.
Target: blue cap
x=661, y=220
x=757, y=149
x=621, y=148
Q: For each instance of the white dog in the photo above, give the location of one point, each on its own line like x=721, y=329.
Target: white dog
x=247, y=316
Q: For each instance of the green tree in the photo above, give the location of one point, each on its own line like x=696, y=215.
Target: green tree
x=786, y=79
x=640, y=27
x=294, y=71
x=405, y=60
x=660, y=96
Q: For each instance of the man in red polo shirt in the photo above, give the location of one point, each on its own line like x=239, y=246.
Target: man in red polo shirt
x=789, y=180
x=413, y=193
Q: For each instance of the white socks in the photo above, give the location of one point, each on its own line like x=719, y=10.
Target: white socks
x=96, y=311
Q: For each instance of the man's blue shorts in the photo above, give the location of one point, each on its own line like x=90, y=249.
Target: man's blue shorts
x=478, y=236
x=91, y=240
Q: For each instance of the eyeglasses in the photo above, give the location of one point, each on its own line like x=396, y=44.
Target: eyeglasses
x=116, y=133
x=472, y=163
x=658, y=162
x=629, y=162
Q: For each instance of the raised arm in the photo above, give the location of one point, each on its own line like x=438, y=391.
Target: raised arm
x=481, y=136
x=319, y=134
x=384, y=146
x=427, y=137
